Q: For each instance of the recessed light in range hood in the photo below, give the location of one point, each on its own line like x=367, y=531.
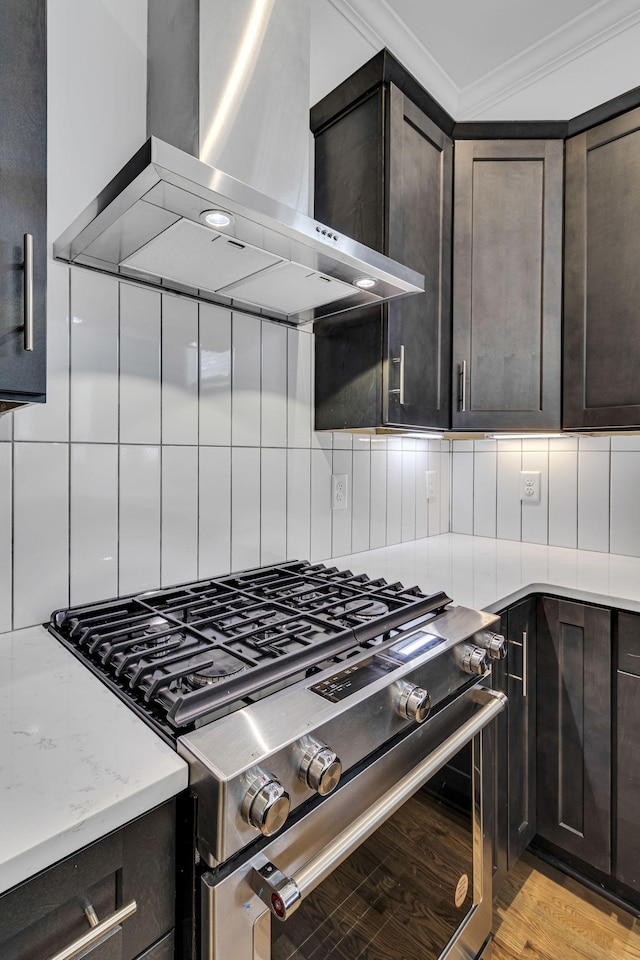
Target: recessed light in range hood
x=147, y=224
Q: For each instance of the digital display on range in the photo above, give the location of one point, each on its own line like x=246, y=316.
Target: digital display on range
x=341, y=685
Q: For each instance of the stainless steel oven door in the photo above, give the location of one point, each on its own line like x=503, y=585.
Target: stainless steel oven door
x=382, y=868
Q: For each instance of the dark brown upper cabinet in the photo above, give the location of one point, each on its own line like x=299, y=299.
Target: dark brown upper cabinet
x=23, y=201
x=383, y=175
x=602, y=276
x=507, y=284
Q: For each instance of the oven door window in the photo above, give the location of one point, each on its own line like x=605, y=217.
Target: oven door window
x=404, y=892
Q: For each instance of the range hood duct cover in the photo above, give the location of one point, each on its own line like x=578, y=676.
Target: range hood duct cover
x=228, y=91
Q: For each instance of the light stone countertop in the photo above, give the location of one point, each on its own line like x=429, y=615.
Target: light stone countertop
x=491, y=574
x=75, y=762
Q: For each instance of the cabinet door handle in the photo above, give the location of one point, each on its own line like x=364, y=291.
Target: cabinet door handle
x=97, y=932
x=524, y=679
x=400, y=389
x=27, y=246
x=462, y=386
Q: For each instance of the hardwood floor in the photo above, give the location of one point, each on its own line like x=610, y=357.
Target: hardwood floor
x=543, y=915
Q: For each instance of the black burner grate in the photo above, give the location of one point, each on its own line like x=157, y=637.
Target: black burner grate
x=178, y=654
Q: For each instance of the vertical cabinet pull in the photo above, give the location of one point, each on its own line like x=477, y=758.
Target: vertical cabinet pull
x=525, y=666
x=97, y=932
x=28, y=291
x=400, y=389
x=462, y=386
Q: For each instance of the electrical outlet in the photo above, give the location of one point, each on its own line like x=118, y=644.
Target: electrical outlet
x=432, y=489
x=339, y=491
x=530, y=486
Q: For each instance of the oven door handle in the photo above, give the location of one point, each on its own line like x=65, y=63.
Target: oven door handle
x=283, y=894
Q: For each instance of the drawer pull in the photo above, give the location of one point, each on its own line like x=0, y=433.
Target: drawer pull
x=28, y=291
x=97, y=932
x=400, y=389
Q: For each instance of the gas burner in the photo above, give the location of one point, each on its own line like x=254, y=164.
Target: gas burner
x=154, y=630
x=216, y=666
x=365, y=609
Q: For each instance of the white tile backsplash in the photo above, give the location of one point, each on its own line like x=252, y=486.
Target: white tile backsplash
x=94, y=522
x=177, y=444
x=593, y=496
x=625, y=514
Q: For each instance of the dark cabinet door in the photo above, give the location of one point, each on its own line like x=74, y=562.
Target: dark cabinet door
x=602, y=280
x=627, y=868
x=507, y=284
x=521, y=691
x=417, y=363
x=573, y=668
x=383, y=175
x=23, y=170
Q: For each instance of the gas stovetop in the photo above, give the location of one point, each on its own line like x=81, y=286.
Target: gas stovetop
x=184, y=655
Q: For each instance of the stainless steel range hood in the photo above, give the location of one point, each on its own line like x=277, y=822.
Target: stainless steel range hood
x=228, y=86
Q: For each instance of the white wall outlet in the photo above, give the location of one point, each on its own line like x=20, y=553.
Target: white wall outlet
x=339, y=491
x=530, y=486
x=432, y=484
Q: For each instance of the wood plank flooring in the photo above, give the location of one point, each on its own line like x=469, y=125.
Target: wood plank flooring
x=542, y=914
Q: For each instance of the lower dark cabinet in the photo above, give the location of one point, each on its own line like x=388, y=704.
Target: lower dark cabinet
x=573, y=668
x=46, y=914
x=627, y=868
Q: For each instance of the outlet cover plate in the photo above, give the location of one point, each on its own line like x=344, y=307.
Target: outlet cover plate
x=339, y=491
x=530, y=486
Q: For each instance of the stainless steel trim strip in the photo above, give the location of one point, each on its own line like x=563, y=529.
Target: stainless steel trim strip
x=286, y=894
x=28, y=291
x=96, y=933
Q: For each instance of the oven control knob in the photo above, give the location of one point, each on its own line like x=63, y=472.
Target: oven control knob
x=320, y=768
x=414, y=703
x=473, y=659
x=494, y=643
x=266, y=804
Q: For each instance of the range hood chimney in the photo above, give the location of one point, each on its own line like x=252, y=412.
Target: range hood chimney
x=215, y=202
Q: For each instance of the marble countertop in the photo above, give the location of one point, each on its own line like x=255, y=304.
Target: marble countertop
x=490, y=574
x=75, y=763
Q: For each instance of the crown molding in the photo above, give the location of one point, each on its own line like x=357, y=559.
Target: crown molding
x=576, y=38
x=380, y=26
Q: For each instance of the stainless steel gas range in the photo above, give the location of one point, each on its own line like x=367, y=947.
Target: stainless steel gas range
x=323, y=717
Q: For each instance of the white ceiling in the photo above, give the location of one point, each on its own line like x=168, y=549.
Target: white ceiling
x=487, y=59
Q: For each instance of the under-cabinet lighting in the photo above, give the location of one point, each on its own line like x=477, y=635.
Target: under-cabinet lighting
x=217, y=218
x=525, y=436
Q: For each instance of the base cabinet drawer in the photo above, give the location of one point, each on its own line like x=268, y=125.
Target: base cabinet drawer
x=47, y=914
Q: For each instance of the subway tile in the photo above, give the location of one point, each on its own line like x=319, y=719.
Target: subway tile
x=628, y=442
x=214, y=557
x=625, y=515
x=485, y=468
x=273, y=506
x=394, y=491
x=509, y=446
x=94, y=522
x=245, y=396
x=139, y=524
x=508, y=515
x=485, y=446
x=378, y=531
x=321, y=466
x=341, y=519
x=298, y=504
x=361, y=443
x=179, y=502
x=245, y=508
x=462, y=490
x=409, y=443
x=462, y=446
x=535, y=516
x=535, y=445
x=215, y=375
x=94, y=357
x=179, y=371
x=408, y=515
x=424, y=506
x=299, y=398
x=445, y=488
x=342, y=441
x=563, y=497
x=40, y=531
x=140, y=395
x=50, y=421
x=274, y=385
x=5, y=535
x=594, y=444
x=593, y=498
x=320, y=439
x=6, y=425
x=361, y=501
x=563, y=444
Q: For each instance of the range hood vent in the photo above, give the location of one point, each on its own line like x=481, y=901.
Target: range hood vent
x=217, y=76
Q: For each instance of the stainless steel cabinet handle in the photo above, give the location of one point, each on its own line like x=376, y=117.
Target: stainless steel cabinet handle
x=28, y=291
x=97, y=932
x=284, y=894
x=524, y=679
x=400, y=389
x=462, y=386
